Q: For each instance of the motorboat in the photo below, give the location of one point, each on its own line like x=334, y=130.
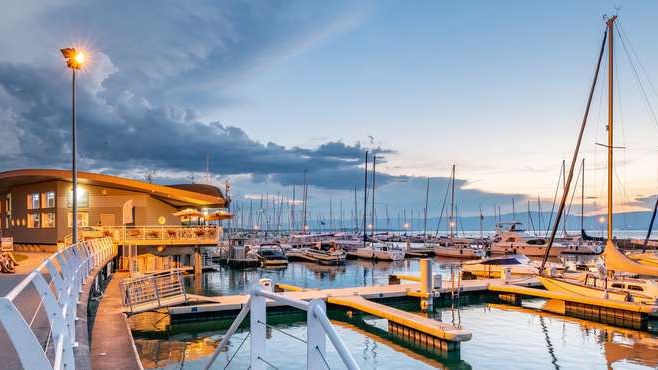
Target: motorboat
x=511, y=238
x=458, y=248
x=270, y=255
x=379, y=251
x=322, y=253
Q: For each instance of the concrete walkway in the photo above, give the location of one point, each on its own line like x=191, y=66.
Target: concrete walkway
x=112, y=346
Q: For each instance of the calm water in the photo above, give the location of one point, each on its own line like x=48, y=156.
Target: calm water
x=503, y=336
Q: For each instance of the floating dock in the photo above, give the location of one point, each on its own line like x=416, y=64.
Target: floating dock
x=625, y=314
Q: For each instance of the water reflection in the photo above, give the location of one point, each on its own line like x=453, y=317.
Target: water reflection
x=502, y=335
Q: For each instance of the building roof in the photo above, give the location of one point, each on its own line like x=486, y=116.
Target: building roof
x=184, y=195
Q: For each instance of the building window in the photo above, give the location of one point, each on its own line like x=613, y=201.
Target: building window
x=33, y=201
x=83, y=219
x=82, y=198
x=48, y=199
x=8, y=204
x=33, y=220
x=48, y=220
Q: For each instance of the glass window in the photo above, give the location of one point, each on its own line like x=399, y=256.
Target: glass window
x=33, y=201
x=48, y=219
x=33, y=220
x=83, y=219
x=8, y=204
x=48, y=199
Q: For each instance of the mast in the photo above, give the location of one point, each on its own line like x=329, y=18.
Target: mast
x=356, y=212
x=582, y=199
x=539, y=214
x=331, y=215
x=513, y=210
x=427, y=199
x=372, y=216
x=292, y=208
x=453, y=224
x=481, y=221
x=365, y=199
x=610, y=23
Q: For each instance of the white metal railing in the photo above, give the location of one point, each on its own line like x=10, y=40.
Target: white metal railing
x=318, y=329
x=160, y=233
x=153, y=291
x=67, y=270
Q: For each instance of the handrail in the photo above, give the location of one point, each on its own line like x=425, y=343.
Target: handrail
x=318, y=328
x=68, y=271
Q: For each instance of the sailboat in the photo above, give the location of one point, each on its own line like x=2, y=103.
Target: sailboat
x=374, y=249
x=605, y=284
x=452, y=246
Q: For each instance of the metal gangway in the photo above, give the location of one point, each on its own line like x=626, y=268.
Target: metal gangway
x=317, y=323
x=39, y=314
x=153, y=291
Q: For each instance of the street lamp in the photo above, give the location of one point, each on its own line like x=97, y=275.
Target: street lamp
x=75, y=60
x=602, y=221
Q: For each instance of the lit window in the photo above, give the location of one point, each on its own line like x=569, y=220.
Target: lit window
x=82, y=198
x=48, y=220
x=83, y=219
x=32, y=220
x=33, y=201
x=48, y=199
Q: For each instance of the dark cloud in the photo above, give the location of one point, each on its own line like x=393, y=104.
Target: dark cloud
x=151, y=50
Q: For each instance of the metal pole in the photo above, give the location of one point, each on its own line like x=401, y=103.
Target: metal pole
x=611, y=54
x=365, y=200
x=74, y=168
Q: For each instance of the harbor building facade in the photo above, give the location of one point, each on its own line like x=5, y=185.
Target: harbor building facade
x=36, y=211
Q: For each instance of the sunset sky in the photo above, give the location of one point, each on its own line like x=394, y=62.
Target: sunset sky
x=267, y=89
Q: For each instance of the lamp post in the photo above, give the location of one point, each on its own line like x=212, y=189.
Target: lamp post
x=74, y=60
x=602, y=221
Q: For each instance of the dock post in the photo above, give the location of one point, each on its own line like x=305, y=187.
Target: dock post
x=316, y=340
x=198, y=262
x=426, y=301
x=257, y=324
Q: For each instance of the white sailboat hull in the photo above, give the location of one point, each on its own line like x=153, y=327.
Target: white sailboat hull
x=379, y=254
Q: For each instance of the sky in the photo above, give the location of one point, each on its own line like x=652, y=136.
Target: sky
x=260, y=91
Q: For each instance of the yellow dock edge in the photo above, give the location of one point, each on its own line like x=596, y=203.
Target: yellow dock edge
x=421, y=324
x=626, y=306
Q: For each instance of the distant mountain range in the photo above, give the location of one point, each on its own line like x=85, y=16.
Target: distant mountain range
x=622, y=221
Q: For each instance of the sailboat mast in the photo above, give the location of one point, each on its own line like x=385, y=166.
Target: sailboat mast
x=582, y=199
x=365, y=199
x=611, y=54
x=452, y=203
x=372, y=216
x=427, y=199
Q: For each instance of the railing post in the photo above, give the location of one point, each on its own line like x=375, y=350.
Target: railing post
x=22, y=337
x=316, y=340
x=258, y=320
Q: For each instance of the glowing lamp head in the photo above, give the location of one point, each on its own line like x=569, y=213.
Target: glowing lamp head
x=602, y=219
x=75, y=59
x=406, y=226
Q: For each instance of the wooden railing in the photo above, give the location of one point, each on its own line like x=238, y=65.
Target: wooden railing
x=166, y=234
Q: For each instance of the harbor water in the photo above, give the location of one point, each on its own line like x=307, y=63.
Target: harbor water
x=500, y=332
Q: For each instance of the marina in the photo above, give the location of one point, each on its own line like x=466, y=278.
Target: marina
x=307, y=185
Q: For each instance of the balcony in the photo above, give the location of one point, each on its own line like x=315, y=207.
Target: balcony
x=156, y=235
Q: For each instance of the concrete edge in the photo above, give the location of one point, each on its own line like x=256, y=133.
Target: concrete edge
x=132, y=341
x=82, y=352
